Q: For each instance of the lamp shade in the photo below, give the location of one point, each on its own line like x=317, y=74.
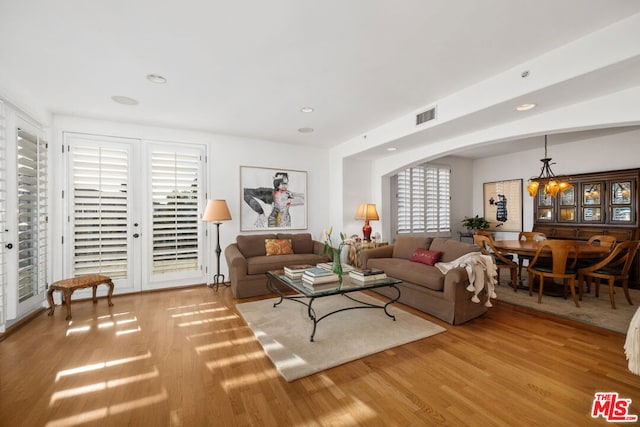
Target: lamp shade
x=367, y=212
x=217, y=210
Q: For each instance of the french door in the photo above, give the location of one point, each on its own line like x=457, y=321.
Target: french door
x=133, y=208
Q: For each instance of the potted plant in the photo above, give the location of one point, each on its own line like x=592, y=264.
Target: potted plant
x=475, y=223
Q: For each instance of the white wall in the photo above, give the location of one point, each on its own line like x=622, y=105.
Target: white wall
x=226, y=154
x=614, y=150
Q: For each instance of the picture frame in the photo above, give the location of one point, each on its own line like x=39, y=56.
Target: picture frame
x=272, y=199
x=503, y=205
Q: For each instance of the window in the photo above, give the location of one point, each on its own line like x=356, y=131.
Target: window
x=174, y=186
x=423, y=200
x=32, y=214
x=100, y=181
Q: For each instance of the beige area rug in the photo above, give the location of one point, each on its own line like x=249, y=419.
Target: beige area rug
x=284, y=332
x=593, y=311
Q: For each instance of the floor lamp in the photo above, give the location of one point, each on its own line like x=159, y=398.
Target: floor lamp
x=217, y=211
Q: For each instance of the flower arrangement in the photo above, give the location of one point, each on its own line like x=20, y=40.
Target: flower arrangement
x=333, y=252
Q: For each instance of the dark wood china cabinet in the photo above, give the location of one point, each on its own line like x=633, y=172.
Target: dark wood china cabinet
x=598, y=203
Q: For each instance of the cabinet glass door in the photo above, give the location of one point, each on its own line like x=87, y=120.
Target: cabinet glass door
x=567, y=206
x=621, y=201
x=592, y=198
x=545, y=207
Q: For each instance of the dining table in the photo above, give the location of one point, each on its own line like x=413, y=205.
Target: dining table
x=530, y=247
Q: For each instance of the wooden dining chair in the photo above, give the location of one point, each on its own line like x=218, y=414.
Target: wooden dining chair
x=615, y=267
x=501, y=260
x=596, y=240
x=528, y=236
x=564, y=256
x=603, y=240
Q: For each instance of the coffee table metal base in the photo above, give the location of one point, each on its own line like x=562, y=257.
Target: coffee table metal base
x=302, y=299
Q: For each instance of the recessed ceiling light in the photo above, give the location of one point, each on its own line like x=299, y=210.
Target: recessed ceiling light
x=156, y=78
x=391, y=149
x=307, y=109
x=525, y=107
x=305, y=130
x=124, y=100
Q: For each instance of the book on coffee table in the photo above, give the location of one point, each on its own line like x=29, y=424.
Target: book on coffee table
x=296, y=271
x=317, y=272
x=367, y=275
x=330, y=277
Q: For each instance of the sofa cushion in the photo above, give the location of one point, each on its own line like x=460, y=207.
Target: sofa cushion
x=452, y=249
x=262, y=264
x=405, y=246
x=425, y=256
x=253, y=245
x=412, y=272
x=278, y=247
x=302, y=243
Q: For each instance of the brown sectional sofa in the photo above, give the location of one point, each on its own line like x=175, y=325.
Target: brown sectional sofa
x=248, y=263
x=423, y=286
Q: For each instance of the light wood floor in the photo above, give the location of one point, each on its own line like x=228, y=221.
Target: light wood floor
x=185, y=358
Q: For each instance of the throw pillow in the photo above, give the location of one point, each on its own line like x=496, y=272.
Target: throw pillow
x=278, y=246
x=425, y=256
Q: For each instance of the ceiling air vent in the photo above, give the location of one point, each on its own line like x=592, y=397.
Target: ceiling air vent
x=426, y=116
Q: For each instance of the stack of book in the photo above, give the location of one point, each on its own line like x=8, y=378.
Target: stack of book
x=315, y=276
x=296, y=271
x=366, y=275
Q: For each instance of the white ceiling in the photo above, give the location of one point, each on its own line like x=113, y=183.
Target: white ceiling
x=247, y=67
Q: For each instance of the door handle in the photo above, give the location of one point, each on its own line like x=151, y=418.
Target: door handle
x=9, y=246
x=136, y=235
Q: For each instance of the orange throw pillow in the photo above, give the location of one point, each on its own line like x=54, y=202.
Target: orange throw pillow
x=278, y=246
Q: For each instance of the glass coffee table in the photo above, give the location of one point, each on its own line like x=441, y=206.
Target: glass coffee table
x=344, y=287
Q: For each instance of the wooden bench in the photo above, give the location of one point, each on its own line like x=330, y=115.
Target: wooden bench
x=68, y=286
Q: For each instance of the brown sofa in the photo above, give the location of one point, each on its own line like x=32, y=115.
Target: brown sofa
x=424, y=287
x=248, y=262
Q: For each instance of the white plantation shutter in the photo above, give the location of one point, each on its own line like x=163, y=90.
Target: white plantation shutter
x=32, y=215
x=174, y=187
x=3, y=213
x=444, y=199
x=100, y=176
x=423, y=200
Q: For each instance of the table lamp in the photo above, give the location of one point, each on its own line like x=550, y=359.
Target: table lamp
x=367, y=212
x=217, y=211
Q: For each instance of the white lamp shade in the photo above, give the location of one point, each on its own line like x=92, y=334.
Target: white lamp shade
x=216, y=210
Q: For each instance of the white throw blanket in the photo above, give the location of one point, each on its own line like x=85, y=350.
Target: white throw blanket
x=482, y=272
x=632, y=344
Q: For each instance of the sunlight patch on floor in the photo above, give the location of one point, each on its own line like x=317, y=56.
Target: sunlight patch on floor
x=96, y=366
x=240, y=358
x=231, y=343
x=244, y=380
x=205, y=321
x=195, y=313
x=104, y=385
x=97, y=414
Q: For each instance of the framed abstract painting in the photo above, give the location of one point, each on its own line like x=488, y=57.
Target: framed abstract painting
x=503, y=205
x=272, y=199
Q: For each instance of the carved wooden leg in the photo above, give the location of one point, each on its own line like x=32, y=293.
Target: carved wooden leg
x=52, y=305
x=67, y=301
x=95, y=300
x=110, y=284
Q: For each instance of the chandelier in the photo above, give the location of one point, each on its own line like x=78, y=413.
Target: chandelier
x=551, y=184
